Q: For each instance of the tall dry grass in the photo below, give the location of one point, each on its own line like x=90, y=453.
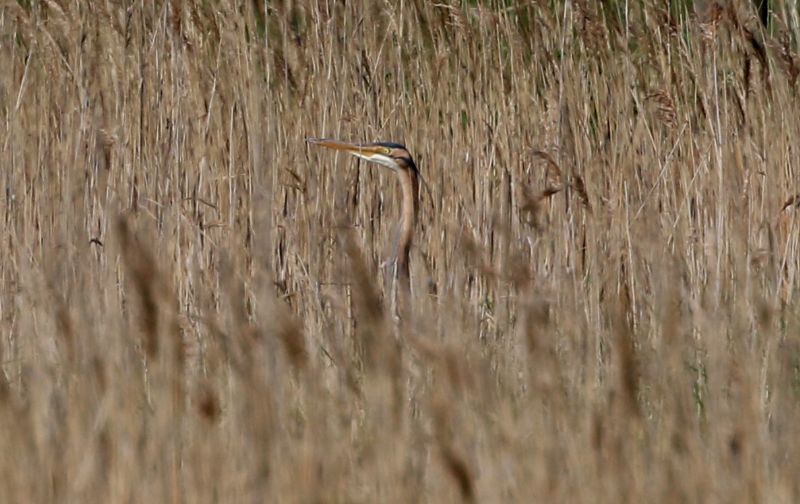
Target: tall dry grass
x=193, y=307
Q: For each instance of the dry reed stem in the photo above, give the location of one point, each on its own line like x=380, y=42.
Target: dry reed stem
x=193, y=308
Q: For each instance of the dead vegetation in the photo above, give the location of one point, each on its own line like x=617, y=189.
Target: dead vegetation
x=605, y=271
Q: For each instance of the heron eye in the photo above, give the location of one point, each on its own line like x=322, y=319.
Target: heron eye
x=387, y=151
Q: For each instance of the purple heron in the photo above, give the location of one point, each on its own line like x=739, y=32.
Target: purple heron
x=397, y=158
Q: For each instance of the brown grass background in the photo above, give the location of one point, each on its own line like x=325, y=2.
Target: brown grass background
x=604, y=274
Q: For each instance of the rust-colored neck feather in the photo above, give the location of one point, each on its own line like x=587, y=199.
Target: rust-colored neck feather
x=409, y=185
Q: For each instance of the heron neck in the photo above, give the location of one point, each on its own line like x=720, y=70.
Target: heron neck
x=409, y=186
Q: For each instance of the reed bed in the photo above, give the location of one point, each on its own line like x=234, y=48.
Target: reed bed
x=194, y=303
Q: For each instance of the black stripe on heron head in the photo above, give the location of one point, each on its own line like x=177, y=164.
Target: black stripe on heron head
x=394, y=145
x=391, y=145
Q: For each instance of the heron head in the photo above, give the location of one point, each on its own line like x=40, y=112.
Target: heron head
x=388, y=154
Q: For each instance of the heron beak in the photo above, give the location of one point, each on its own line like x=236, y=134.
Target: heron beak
x=372, y=153
x=360, y=150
